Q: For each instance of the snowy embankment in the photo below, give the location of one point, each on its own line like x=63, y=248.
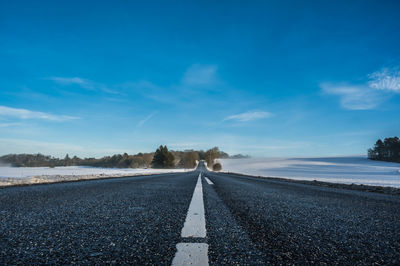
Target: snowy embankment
x=346, y=170
x=33, y=175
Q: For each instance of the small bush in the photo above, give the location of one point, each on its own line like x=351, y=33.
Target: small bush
x=217, y=167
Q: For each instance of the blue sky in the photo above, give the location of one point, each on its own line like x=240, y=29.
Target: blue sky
x=265, y=78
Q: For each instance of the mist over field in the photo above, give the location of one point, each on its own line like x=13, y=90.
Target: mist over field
x=348, y=170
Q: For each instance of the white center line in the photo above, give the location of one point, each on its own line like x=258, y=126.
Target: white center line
x=195, y=223
x=209, y=181
x=191, y=254
x=195, y=226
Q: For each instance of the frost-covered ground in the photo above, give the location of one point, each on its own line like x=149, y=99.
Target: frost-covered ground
x=348, y=170
x=31, y=175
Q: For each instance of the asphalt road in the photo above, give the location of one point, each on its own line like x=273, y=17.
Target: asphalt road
x=140, y=220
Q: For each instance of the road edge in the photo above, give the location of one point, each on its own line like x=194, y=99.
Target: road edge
x=89, y=179
x=356, y=187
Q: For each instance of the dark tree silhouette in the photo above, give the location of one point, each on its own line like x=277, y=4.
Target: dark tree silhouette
x=387, y=150
x=163, y=158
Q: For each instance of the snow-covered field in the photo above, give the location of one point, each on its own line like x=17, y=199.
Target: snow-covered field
x=31, y=175
x=348, y=170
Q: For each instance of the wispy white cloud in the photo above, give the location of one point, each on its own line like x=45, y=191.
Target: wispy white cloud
x=369, y=95
x=28, y=114
x=249, y=116
x=74, y=80
x=83, y=83
x=200, y=75
x=354, y=97
x=386, y=79
x=147, y=118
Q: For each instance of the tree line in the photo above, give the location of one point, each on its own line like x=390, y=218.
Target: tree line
x=162, y=158
x=386, y=150
x=115, y=161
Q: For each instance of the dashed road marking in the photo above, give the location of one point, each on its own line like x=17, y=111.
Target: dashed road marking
x=191, y=254
x=209, y=181
x=194, y=226
x=195, y=223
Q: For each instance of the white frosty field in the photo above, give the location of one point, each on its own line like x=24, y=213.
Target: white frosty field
x=348, y=170
x=31, y=175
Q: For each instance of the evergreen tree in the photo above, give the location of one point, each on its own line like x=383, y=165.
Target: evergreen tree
x=387, y=150
x=163, y=158
x=67, y=160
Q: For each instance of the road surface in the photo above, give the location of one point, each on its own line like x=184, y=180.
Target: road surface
x=198, y=217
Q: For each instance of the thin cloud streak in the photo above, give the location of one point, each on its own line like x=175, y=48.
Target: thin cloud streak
x=146, y=119
x=70, y=81
x=28, y=114
x=249, y=116
x=83, y=83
